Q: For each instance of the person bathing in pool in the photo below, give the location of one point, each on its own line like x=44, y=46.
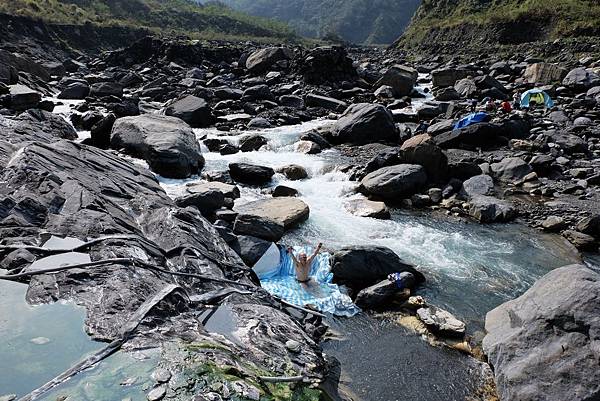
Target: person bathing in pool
x=303, y=264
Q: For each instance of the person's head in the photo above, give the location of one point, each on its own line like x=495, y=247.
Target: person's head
x=302, y=257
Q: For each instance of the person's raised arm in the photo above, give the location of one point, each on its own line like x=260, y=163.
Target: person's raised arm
x=314, y=255
x=290, y=250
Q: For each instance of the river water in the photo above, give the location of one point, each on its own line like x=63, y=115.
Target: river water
x=470, y=269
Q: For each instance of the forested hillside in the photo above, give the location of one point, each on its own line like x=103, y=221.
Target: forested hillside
x=358, y=21
x=169, y=16
x=502, y=21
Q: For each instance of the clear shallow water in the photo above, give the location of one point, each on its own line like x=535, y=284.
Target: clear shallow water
x=38, y=342
x=382, y=362
x=122, y=376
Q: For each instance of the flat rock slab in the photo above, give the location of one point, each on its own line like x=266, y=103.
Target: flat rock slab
x=288, y=211
x=441, y=321
x=367, y=208
x=228, y=190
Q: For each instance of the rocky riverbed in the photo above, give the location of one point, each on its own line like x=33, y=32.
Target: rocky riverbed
x=144, y=183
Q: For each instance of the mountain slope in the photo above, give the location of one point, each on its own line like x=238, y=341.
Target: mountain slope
x=169, y=16
x=466, y=22
x=358, y=21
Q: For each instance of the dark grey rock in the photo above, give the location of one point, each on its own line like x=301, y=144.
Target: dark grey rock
x=262, y=60
x=395, y=182
x=401, y=79
x=193, y=110
x=293, y=172
x=290, y=212
x=362, y=266
x=380, y=295
x=251, y=249
x=487, y=209
x=23, y=97
x=364, y=123
x=282, y=191
x=76, y=90
x=314, y=100
x=511, y=169
x=481, y=184
x=441, y=321
x=251, y=173
x=258, y=226
x=102, y=89
x=252, y=142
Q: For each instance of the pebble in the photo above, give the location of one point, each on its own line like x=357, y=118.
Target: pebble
x=293, y=346
x=161, y=375
x=157, y=393
x=40, y=340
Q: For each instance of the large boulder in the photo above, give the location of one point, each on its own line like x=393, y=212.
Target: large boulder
x=262, y=60
x=250, y=143
x=400, y=78
x=481, y=184
x=251, y=173
x=421, y=150
x=484, y=135
x=511, y=169
x=206, y=200
x=544, y=73
x=448, y=76
x=193, y=110
x=37, y=126
x=367, y=208
x=23, y=97
x=381, y=294
x=581, y=79
x=258, y=226
x=168, y=144
x=362, y=266
x=251, y=249
x=327, y=64
x=568, y=142
x=293, y=172
x=101, y=89
x=285, y=210
x=314, y=100
x=75, y=90
x=441, y=321
x=544, y=344
x=364, y=123
x=395, y=182
x=487, y=209
x=8, y=74
x=48, y=122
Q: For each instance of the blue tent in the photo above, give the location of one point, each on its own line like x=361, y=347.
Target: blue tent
x=537, y=96
x=474, y=118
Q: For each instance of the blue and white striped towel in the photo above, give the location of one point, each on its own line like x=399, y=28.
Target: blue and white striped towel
x=321, y=292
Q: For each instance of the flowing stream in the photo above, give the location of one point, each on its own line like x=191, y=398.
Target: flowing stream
x=470, y=268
